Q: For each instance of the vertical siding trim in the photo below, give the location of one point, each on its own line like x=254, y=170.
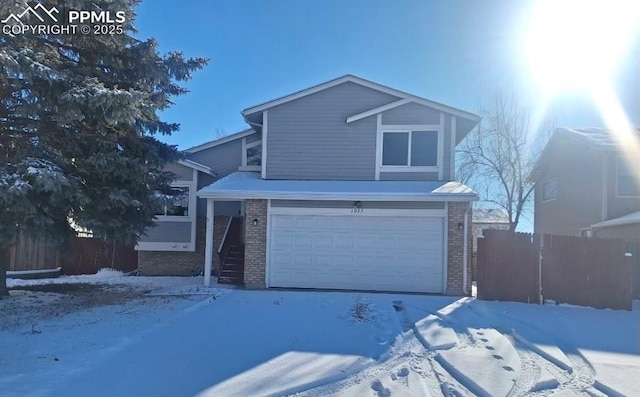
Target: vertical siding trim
x=452, y=169
x=378, y=145
x=268, y=244
x=193, y=203
x=441, y=146
x=445, y=251
x=265, y=115
x=208, y=244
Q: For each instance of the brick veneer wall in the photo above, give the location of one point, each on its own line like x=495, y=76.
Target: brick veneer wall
x=180, y=263
x=455, y=249
x=255, y=245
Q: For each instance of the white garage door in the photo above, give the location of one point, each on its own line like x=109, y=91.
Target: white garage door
x=357, y=252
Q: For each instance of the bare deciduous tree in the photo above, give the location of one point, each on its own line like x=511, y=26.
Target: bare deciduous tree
x=497, y=157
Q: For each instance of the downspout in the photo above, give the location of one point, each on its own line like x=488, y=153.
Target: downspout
x=465, y=249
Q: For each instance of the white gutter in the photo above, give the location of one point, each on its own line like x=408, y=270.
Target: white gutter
x=465, y=248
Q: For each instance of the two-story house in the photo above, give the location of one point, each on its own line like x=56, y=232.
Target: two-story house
x=345, y=185
x=587, y=184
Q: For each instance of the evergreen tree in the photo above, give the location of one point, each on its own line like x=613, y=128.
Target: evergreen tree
x=78, y=126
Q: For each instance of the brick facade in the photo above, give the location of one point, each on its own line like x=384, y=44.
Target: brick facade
x=169, y=263
x=255, y=245
x=455, y=249
x=179, y=263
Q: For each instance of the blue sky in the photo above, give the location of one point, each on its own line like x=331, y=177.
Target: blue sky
x=456, y=52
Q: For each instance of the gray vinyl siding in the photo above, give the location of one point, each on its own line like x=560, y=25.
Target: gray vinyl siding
x=169, y=232
x=411, y=113
x=201, y=204
x=365, y=204
x=577, y=169
x=222, y=159
x=309, y=138
x=182, y=173
x=227, y=208
x=408, y=176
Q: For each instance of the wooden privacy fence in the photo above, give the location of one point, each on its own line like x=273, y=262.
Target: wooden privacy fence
x=578, y=270
x=498, y=278
x=88, y=255
x=81, y=255
x=30, y=254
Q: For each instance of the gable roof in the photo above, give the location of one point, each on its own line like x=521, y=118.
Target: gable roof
x=601, y=137
x=220, y=141
x=197, y=166
x=401, y=95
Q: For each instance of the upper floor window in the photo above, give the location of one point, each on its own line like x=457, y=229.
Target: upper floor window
x=251, y=156
x=410, y=148
x=177, y=205
x=626, y=183
x=549, y=190
x=254, y=153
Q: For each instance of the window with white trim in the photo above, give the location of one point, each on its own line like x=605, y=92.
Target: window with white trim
x=626, y=183
x=254, y=154
x=410, y=148
x=251, y=156
x=177, y=205
x=550, y=190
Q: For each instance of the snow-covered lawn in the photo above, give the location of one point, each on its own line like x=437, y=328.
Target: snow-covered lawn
x=112, y=335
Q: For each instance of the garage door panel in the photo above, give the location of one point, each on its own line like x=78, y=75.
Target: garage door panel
x=323, y=241
x=303, y=222
x=343, y=240
x=303, y=242
x=351, y=252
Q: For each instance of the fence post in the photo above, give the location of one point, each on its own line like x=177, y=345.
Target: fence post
x=540, y=261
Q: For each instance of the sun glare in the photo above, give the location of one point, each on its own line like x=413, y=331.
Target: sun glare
x=575, y=44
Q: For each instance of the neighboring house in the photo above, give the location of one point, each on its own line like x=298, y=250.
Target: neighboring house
x=587, y=184
x=345, y=185
x=486, y=218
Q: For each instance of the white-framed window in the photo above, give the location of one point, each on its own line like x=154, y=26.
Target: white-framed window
x=549, y=190
x=251, y=156
x=177, y=205
x=626, y=183
x=181, y=207
x=176, y=222
x=410, y=149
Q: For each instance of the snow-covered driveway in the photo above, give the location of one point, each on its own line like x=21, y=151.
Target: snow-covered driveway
x=221, y=342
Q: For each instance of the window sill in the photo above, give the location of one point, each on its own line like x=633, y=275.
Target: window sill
x=408, y=168
x=170, y=218
x=149, y=246
x=255, y=168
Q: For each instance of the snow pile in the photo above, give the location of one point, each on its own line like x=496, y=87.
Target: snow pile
x=434, y=335
x=169, y=336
